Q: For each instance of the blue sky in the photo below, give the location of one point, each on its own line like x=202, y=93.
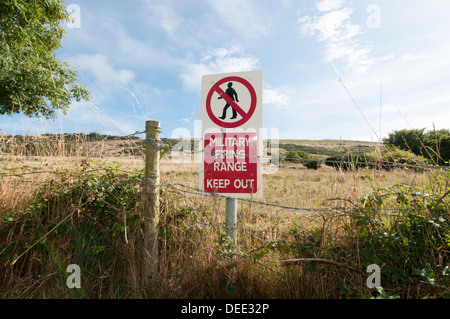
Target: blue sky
x=331, y=68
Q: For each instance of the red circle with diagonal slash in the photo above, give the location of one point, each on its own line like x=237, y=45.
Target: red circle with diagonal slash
x=245, y=115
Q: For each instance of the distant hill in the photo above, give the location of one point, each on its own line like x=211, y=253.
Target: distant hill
x=325, y=148
x=95, y=143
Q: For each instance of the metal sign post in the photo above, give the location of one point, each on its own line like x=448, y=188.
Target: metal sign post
x=231, y=219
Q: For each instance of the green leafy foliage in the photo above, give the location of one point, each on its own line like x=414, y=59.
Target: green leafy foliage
x=86, y=218
x=32, y=79
x=433, y=145
x=411, y=240
x=308, y=160
x=390, y=158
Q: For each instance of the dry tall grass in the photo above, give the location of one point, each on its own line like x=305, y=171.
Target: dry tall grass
x=196, y=259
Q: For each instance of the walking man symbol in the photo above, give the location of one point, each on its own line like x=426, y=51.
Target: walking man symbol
x=232, y=94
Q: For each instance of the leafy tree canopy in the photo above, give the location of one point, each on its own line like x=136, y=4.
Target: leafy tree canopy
x=32, y=79
x=434, y=145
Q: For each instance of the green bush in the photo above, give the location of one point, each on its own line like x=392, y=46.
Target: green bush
x=80, y=217
x=314, y=163
x=308, y=160
x=406, y=231
x=433, y=145
x=392, y=157
x=292, y=156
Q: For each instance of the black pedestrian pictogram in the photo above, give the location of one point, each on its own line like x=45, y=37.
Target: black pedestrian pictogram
x=233, y=95
x=244, y=111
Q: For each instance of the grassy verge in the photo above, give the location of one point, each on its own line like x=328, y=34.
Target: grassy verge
x=87, y=217
x=90, y=214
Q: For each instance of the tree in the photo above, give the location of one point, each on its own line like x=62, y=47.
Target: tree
x=439, y=142
x=292, y=156
x=408, y=140
x=433, y=145
x=32, y=79
x=308, y=160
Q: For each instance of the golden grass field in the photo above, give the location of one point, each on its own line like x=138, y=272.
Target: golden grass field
x=195, y=258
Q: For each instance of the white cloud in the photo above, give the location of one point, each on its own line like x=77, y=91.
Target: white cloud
x=275, y=97
x=242, y=17
x=286, y=3
x=411, y=57
x=105, y=75
x=233, y=59
x=163, y=14
x=220, y=60
x=228, y=60
x=328, y=5
x=333, y=26
x=192, y=76
x=132, y=50
x=102, y=79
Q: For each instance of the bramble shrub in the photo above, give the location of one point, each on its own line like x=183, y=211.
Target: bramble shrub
x=84, y=217
x=433, y=145
x=308, y=160
x=392, y=157
x=406, y=231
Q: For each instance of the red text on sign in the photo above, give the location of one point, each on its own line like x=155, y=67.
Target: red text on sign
x=230, y=163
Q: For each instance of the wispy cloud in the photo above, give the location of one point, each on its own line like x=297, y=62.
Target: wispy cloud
x=162, y=13
x=215, y=61
x=135, y=50
x=333, y=26
x=275, y=97
x=243, y=17
x=328, y=5
x=229, y=60
x=102, y=70
x=100, y=75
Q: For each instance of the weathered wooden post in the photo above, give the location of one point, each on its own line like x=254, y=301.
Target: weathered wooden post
x=151, y=203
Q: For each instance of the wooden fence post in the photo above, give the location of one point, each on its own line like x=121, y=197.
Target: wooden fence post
x=151, y=203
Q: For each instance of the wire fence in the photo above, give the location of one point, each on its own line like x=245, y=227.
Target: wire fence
x=81, y=145
x=313, y=214
x=177, y=187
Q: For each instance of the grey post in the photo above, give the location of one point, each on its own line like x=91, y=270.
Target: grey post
x=231, y=219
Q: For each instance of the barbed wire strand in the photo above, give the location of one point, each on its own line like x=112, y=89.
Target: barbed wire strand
x=273, y=233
